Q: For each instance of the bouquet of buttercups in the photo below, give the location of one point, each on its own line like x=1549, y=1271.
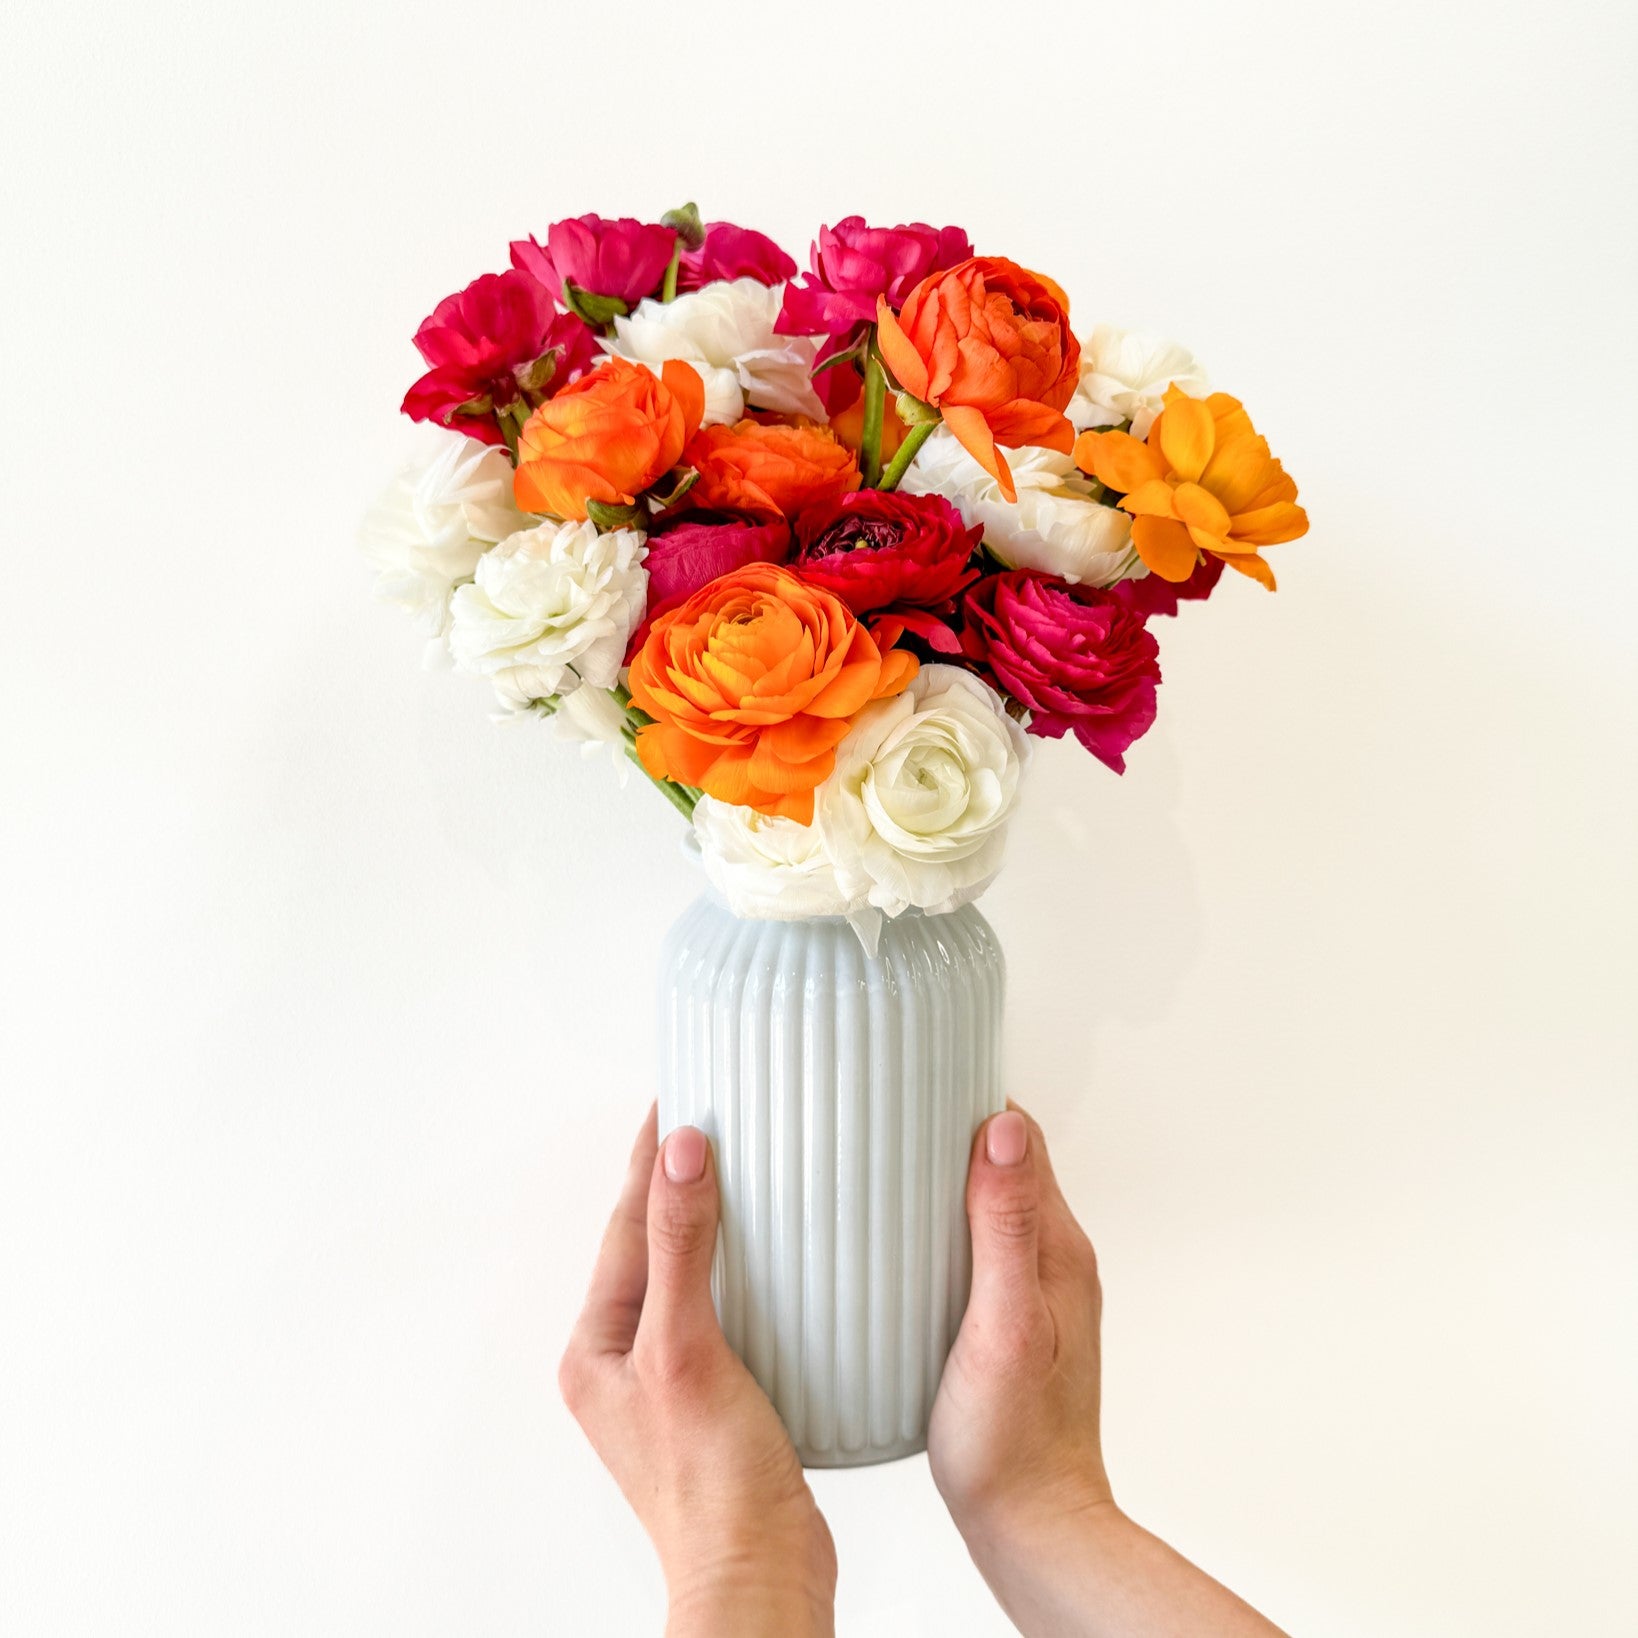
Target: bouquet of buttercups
x=820, y=553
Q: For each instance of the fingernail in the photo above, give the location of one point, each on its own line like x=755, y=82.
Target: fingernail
x=685, y=1155
x=1006, y=1138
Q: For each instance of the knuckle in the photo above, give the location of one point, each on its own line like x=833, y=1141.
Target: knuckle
x=679, y=1234
x=1013, y=1218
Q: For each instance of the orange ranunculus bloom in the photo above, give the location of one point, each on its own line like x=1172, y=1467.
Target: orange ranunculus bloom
x=768, y=471
x=1202, y=482
x=607, y=437
x=753, y=683
x=988, y=344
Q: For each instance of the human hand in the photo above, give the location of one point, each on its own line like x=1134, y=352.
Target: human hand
x=693, y=1443
x=1014, y=1441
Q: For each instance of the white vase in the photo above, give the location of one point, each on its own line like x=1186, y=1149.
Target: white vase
x=841, y=1093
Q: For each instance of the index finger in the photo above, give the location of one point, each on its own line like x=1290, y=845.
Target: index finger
x=614, y=1301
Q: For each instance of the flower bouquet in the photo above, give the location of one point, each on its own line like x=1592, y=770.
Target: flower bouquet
x=821, y=554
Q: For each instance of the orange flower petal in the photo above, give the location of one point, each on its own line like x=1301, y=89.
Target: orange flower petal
x=1270, y=525
x=1199, y=508
x=798, y=806
x=901, y=358
x=1152, y=499
x=1165, y=547
x=973, y=433
x=684, y=384
x=1187, y=435
x=1237, y=471
x=1248, y=563
x=1117, y=459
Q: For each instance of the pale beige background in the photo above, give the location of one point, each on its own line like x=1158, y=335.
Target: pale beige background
x=326, y=1002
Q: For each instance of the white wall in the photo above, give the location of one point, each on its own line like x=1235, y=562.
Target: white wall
x=326, y=1001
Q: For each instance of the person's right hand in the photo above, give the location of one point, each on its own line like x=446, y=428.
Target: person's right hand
x=1014, y=1442
x=1014, y=1437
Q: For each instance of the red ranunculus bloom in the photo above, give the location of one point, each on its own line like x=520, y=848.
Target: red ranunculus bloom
x=690, y=555
x=731, y=252
x=623, y=258
x=853, y=264
x=480, y=340
x=1078, y=657
x=901, y=560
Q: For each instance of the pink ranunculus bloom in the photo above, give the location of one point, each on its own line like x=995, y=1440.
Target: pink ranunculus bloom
x=623, y=258
x=853, y=264
x=690, y=555
x=731, y=252
x=1077, y=657
x=479, y=339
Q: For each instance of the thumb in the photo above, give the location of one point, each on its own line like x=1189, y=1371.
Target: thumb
x=1004, y=1211
x=682, y=1237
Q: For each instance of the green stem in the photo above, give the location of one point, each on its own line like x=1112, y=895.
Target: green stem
x=681, y=797
x=875, y=399
x=913, y=440
x=668, y=290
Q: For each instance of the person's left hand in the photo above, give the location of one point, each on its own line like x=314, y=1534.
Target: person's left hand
x=691, y=1440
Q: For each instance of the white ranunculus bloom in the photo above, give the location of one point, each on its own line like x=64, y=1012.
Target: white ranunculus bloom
x=726, y=331
x=1124, y=377
x=594, y=719
x=444, y=510
x=549, y=608
x=1054, y=525
x=916, y=810
x=768, y=868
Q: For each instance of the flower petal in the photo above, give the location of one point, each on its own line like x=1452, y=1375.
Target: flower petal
x=1187, y=435
x=1117, y=459
x=1165, y=546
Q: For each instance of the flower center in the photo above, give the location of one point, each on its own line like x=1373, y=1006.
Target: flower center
x=856, y=534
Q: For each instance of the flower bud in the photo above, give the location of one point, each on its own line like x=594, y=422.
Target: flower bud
x=685, y=223
x=535, y=376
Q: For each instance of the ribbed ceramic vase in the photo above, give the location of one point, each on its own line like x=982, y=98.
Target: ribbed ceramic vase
x=841, y=1092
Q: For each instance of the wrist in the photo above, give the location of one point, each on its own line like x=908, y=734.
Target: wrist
x=1072, y=1520
x=777, y=1588
x=752, y=1608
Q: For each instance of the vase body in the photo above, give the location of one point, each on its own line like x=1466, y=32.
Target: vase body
x=841, y=1092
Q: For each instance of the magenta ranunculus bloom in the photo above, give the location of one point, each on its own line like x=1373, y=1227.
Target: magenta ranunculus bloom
x=479, y=340
x=731, y=252
x=902, y=560
x=689, y=555
x=623, y=258
x=1151, y=594
x=1079, y=657
x=853, y=264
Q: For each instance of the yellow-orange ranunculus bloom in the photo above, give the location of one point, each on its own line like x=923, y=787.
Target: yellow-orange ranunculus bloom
x=1203, y=481
x=753, y=683
x=607, y=437
x=988, y=344
x=768, y=471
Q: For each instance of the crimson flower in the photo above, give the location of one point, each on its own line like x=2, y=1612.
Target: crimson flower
x=624, y=259
x=485, y=345
x=1077, y=657
x=731, y=252
x=902, y=560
